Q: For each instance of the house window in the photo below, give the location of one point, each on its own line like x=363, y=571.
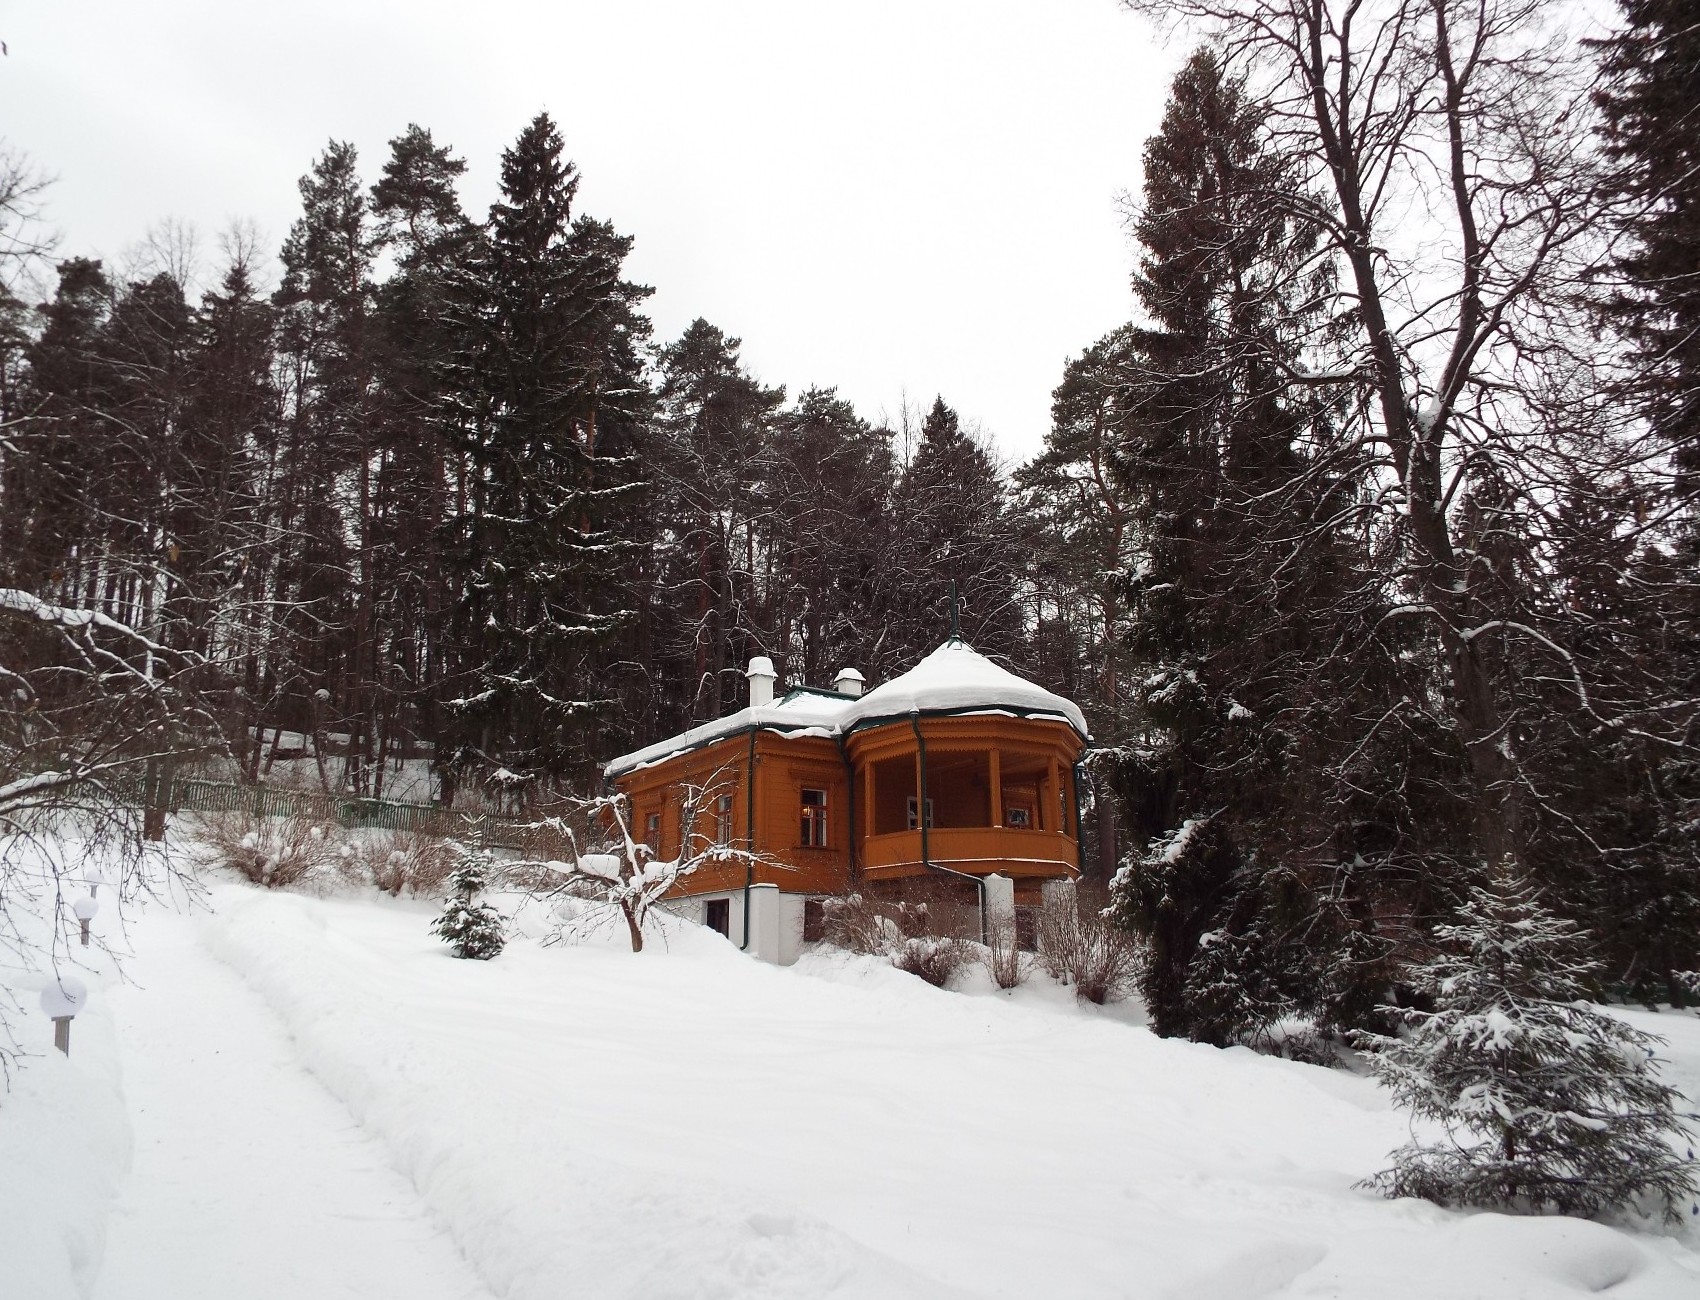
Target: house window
x=723, y=820
x=914, y=823
x=717, y=915
x=1018, y=817
x=652, y=832
x=814, y=819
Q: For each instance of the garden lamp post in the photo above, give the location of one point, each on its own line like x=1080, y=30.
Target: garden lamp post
x=62, y=998
x=85, y=910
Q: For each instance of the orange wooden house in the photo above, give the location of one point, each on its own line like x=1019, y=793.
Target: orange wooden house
x=956, y=769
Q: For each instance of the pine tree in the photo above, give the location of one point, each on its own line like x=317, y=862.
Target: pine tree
x=952, y=522
x=420, y=223
x=473, y=929
x=1078, y=518
x=826, y=494
x=56, y=469
x=146, y=348
x=324, y=583
x=1548, y=1103
x=716, y=422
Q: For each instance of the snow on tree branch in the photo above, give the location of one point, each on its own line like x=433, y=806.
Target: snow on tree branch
x=619, y=871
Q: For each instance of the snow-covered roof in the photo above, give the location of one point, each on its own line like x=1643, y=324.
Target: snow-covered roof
x=955, y=678
x=958, y=678
x=799, y=713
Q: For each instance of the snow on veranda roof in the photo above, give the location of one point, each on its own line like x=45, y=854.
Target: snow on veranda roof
x=955, y=678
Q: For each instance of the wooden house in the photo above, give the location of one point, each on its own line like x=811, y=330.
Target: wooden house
x=957, y=769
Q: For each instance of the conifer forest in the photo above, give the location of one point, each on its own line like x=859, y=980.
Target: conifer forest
x=1370, y=544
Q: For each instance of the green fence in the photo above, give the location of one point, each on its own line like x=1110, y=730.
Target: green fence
x=198, y=794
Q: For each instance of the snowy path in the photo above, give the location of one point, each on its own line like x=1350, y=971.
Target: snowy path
x=249, y=1178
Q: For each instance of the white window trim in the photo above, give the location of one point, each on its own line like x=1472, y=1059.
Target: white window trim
x=913, y=822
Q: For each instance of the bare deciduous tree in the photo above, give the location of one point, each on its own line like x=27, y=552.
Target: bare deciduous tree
x=626, y=874
x=90, y=711
x=1447, y=146
x=24, y=239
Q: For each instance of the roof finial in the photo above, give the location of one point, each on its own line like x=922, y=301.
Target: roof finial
x=955, y=613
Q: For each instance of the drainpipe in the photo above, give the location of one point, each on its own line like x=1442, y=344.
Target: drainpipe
x=921, y=816
x=1079, y=838
x=750, y=826
x=850, y=778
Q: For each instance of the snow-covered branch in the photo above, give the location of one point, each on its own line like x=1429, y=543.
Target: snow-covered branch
x=625, y=873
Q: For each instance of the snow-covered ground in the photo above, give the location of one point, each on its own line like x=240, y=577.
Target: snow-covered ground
x=248, y=1178
x=323, y=1102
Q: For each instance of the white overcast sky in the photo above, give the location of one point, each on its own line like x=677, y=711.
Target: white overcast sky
x=915, y=196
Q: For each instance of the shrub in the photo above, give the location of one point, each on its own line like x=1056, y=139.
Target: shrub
x=1078, y=946
x=933, y=957
x=1002, y=956
x=1058, y=933
x=276, y=852
x=925, y=935
x=409, y=860
x=1107, y=966
x=856, y=921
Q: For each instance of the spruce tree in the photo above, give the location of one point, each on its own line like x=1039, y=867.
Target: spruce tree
x=1255, y=634
x=1650, y=89
x=1641, y=795
x=218, y=550
x=1547, y=1102
x=541, y=392
x=1077, y=516
x=472, y=929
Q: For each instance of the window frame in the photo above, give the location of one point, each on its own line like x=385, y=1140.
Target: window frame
x=814, y=820
x=911, y=810
x=723, y=807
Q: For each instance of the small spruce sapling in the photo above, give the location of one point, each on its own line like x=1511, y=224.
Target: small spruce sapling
x=472, y=929
x=1548, y=1102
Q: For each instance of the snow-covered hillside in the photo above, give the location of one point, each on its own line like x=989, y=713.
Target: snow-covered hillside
x=323, y=1102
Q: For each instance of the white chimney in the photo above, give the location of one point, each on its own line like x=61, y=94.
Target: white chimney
x=762, y=677
x=848, y=682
